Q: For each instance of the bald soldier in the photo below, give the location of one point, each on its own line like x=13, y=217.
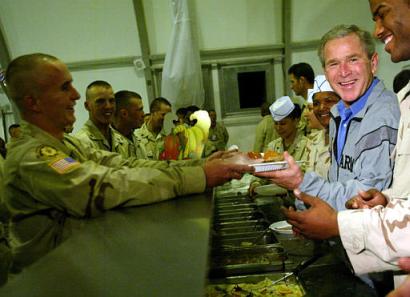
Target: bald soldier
x=52, y=181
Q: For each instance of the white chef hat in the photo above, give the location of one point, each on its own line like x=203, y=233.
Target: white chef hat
x=281, y=108
x=319, y=85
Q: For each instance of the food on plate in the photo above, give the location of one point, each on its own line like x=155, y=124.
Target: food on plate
x=268, y=156
x=263, y=288
x=254, y=155
x=272, y=156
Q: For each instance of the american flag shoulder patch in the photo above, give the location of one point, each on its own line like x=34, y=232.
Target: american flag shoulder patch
x=64, y=164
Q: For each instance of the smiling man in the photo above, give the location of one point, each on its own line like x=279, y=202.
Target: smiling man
x=374, y=237
x=363, y=129
x=97, y=131
x=51, y=180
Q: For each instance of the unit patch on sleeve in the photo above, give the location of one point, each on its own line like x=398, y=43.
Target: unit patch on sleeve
x=58, y=161
x=64, y=164
x=46, y=151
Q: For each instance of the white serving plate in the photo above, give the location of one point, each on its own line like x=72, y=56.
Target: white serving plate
x=271, y=166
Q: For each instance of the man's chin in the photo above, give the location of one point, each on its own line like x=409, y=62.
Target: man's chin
x=398, y=58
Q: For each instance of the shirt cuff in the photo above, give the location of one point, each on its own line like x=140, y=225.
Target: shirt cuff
x=352, y=230
x=194, y=180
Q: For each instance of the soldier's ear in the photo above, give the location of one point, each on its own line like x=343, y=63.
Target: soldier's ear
x=86, y=105
x=302, y=80
x=123, y=112
x=31, y=103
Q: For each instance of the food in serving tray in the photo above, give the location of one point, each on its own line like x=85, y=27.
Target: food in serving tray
x=268, y=156
x=247, y=259
x=260, y=289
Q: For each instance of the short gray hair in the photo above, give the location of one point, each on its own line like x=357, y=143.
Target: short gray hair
x=20, y=73
x=340, y=31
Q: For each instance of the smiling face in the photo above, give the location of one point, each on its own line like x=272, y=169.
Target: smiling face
x=100, y=104
x=348, y=68
x=392, y=26
x=322, y=103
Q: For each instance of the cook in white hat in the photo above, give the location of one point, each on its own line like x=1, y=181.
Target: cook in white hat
x=281, y=108
x=319, y=85
x=323, y=98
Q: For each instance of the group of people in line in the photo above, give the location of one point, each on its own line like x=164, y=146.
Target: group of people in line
x=52, y=178
x=353, y=139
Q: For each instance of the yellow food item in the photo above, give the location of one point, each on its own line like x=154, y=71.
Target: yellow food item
x=254, y=155
x=272, y=156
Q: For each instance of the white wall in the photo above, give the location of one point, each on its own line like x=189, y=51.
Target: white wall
x=79, y=30
x=73, y=30
x=312, y=18
x=219, y=23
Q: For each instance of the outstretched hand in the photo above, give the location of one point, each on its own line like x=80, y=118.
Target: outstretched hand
x=218, y=172
x=289, y=178
x=221, y=155
x=366, y=199
x=319, y=221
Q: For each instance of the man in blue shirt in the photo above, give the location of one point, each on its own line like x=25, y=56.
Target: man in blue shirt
x=363, y=127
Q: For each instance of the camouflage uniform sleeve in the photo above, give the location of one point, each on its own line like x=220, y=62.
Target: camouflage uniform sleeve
x=116, y=160
x=87, y=188
x=376, y=238
x=85, y=139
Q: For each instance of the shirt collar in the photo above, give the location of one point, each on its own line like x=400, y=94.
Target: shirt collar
x=358, y=105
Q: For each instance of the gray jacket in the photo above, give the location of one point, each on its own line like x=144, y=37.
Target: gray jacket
x=366, y=157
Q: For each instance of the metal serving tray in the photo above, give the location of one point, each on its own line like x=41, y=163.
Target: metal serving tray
x=228, y=193
x=236, y=210
x=233, y=206
x=242, y=229
x=233, y=286
x=244, y=216
x=246, y=260
x=243, y=239
x=220, y=199
x=228, y=203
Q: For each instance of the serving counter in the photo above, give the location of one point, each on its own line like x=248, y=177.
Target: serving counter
x=154, y=250
x=161, y=249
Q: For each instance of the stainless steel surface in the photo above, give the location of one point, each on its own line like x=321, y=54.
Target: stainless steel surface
x=256, y=259
x=243, y=239
x=155, y=250
x=239, y=223
x=336, y=281
x=242, y=229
